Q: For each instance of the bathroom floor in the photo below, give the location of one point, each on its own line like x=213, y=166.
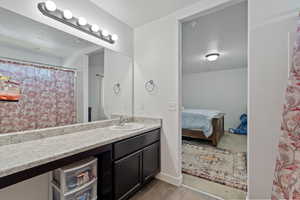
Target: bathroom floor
x=219, y=190
x=158, y=190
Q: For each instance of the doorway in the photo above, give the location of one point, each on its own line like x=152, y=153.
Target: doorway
x=214, y=101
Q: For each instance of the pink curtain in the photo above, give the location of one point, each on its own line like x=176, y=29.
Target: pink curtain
x=47, y=100
x=286, y=184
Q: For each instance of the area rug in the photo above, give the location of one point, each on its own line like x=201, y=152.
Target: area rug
x=217, y=165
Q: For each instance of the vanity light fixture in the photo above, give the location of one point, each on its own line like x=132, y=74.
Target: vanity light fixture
x=105, y=33
x=114, y=37
x=67, y=14
x=50, y=6
x=212, y=57
x=82, y=21
x=49, y=9
x=95, y=28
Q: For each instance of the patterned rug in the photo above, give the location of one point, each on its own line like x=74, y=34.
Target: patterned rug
x=217, y=165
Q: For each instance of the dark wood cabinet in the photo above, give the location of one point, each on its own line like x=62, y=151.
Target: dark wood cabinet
x=128, y=177
x=131, y=145
x=151, y=160
x=136, y=168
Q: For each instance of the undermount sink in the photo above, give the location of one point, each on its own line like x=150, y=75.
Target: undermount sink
x=128, y=127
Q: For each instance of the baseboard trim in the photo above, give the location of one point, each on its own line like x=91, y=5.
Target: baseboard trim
x=203, y=193
x=177, y=181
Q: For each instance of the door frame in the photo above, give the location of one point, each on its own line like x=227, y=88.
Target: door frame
x=198, y=12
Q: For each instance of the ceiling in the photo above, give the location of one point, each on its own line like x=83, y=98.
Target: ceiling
x=223, y=31
x=20, y=32
x=138, y=12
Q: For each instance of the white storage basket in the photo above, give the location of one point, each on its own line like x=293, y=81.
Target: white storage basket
x=77, y=181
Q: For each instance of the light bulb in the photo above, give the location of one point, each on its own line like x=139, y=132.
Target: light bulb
x=114, y=37
x=50, y=6
x=212, y=57
x=82, y=21
x=67, y=14
x=95, y=28
x=105, y=33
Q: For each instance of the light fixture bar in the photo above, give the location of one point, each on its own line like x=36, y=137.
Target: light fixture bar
x=73, y=22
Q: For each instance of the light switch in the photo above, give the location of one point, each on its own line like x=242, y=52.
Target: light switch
x=172, y=106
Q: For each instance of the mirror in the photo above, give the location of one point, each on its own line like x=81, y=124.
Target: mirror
x=50, y=78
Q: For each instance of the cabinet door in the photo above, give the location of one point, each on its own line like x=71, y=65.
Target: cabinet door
x=127, y=175
x=151, y=161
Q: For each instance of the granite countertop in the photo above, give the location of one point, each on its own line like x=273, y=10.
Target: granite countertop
x=25, y=155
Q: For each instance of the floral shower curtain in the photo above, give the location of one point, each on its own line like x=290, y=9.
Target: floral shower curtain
x=47, y=97
x=286, y=183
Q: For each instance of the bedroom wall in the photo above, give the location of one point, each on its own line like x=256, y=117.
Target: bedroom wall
x=217, y=90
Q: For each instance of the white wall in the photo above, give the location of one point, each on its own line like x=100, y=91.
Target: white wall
x=117, y=69
x=96, y=68
x=37, y=188
x=81, y=63
x=22, y=54
x=270, y=22
x=156, y=57
x=217, y=90
x=83, y=8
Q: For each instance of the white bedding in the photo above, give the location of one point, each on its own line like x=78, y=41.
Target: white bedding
x=200, y=119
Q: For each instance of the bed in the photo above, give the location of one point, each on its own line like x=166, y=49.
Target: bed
x=203, y=124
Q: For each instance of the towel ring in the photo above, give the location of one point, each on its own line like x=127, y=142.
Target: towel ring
x=150, y=86
x=117, y=88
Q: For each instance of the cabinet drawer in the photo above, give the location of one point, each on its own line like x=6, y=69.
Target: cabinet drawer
x=131, y=145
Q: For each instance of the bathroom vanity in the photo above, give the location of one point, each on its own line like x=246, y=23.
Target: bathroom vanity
x=136, y=161
x=127, y=160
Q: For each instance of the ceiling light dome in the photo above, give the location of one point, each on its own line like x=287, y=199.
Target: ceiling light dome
x=82, y=21
x=67, y=14
x=105, y=33
x=50, y=6
x=114, y=37
x=95, y=28
x=212, y=57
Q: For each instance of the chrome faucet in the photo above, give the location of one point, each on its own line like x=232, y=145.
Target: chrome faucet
x=122, y=121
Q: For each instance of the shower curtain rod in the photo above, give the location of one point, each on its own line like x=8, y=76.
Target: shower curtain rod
x=40, y=63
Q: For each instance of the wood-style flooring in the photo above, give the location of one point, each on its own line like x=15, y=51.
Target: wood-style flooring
x=158, y=190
